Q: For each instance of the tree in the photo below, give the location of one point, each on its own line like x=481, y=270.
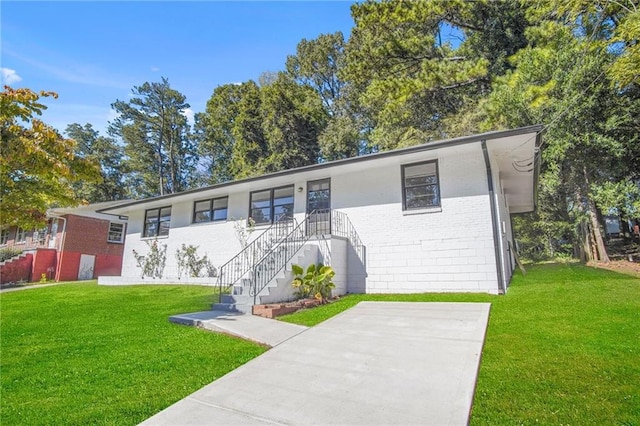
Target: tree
x=158, y=143
x=585, y=149
x=292, y=120
x=409, y=79
x=232, y=140
x=613, y=25
x=108, y=154
x=38, y=165
x=319, y=64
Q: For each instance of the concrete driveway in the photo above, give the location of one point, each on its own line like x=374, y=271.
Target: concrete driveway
x=379, y=363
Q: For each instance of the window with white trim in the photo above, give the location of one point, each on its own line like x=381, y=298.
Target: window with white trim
x=21, y=236
x=4, y=236
x=116, y=232
x=157, y=222
x=212, y=210
x=271, y=204
x=420, y=186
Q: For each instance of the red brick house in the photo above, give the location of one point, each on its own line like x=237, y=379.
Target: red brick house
x=76, y=244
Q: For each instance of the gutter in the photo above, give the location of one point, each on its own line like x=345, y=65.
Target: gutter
x=403, y=151
x=62, y=240
x=494, y=220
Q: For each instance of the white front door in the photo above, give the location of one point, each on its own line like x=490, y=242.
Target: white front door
x=85, y=270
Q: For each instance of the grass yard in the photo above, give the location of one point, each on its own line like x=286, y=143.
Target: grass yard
x=79, y=354
x=563, y=347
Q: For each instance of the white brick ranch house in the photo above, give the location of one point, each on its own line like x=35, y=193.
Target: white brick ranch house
x=429, y=218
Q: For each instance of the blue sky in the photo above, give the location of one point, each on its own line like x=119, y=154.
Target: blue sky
x=92, y=53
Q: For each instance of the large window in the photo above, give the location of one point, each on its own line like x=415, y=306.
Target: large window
x=116, y=232
x=420, y=187
x=157, y=222
x=210, y=210
x=4, y=236
x=21, y=236
x=271, y=204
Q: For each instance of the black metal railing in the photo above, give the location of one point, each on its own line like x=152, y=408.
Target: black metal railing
x=268, y=254
x=243, y=263
x=275, y=260
x=341, y=226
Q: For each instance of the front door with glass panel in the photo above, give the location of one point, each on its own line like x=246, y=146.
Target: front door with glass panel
x=319, y=207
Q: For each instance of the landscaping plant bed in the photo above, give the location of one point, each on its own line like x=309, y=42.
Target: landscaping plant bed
x=274, y=310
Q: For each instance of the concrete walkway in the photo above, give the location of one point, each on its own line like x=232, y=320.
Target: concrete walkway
x=261, y=330
x=379, y=363
x=8, y=289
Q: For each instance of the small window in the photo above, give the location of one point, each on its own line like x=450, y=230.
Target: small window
x=4, y=237
x=157, y=222
x=271, y=204
x=21, y=236
x=210, y=210
x=420, y=187
x=116, y=232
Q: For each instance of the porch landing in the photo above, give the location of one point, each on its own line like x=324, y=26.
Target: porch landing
x=376, y=363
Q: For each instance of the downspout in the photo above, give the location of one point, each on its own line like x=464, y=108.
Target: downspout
x=494, y=220
x=61, y=244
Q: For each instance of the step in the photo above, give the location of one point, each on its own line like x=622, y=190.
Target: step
x=238, y=299
x=232, y=307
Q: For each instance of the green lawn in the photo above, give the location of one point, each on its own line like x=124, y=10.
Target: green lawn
x=562, y=347
x=87, y=354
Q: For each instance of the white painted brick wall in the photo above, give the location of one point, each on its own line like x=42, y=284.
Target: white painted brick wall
x=448, y=249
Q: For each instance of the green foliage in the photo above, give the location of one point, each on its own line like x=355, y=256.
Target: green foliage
x=84, y=354
x=315, y=281
x=189, y=262
x=292, y=120
x=7, y=253
x=161, y=153
x=152, y=264
x=109, y=155
x=408, y=79
x=37, y=165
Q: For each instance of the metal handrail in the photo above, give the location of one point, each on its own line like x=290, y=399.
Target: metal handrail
x=276, y=259
x=342, y=227
x=238, y=266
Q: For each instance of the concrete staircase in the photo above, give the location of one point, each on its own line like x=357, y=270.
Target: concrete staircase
x=278, y=289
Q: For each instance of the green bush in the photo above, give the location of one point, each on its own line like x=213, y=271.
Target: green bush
x=316, y=281
x=8, y=253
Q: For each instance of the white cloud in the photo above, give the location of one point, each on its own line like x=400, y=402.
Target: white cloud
x=189, y=114
x=155, y=69
x=9, y=76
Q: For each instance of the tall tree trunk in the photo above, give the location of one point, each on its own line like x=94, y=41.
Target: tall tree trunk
x=595, y=225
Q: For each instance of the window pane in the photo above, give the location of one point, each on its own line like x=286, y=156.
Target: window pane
x=420, y=170
x=260, y=199
x=261, y=216
x=164, y=229
x=318, y=186
x=220, y=214
x=283, y=202
x=116, y=231
x=283, y=211
x=421, y=186
x=219, y=203
x=204, y=216
x=151, y=223
x=201, y=206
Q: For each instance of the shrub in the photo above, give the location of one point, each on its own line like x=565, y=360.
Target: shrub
x=8, y=253
x=188, y=261
x=316, y=281
x=152, y=264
